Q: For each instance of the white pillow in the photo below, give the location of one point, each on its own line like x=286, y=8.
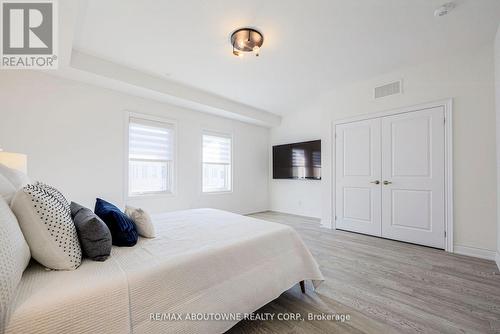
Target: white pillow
x=47, y=226
x=7, y=189
x=142, y=221
x=17, y=178
x=14, y=257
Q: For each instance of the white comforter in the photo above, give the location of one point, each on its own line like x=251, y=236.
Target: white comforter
x=202, y=261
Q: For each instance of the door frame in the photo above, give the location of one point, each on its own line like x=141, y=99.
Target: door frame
x=447, y=104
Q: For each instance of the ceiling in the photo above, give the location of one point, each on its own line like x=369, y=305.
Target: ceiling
x=309, y=48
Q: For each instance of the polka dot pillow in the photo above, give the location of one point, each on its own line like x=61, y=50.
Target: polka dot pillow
x=44, y=216
x=55, y=193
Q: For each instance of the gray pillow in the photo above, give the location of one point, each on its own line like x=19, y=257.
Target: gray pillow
x=94, y=235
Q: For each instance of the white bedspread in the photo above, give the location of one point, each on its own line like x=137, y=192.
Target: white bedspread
x=202, y=261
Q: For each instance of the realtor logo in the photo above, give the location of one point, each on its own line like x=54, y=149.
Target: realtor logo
x=29, y=35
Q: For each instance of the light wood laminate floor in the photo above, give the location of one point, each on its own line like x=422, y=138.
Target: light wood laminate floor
x=385, y=286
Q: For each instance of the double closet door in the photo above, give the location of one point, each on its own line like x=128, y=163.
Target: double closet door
x=390, y=177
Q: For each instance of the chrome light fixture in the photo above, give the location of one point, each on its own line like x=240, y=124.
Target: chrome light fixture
x=246, y=40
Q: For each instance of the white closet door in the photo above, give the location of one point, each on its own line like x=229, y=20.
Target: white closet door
x=358, y=168
x=413, y=177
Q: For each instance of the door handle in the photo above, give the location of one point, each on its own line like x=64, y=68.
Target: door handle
x=387, y=183
x=376, y=182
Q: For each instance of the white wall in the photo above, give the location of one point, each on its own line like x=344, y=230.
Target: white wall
x=73, y=134
x=300, y=197
x=468, y=79
x=497, y=90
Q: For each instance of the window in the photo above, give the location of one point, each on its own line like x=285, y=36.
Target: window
x=150, y=157
x=216, y=163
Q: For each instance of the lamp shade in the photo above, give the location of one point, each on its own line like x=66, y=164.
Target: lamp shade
x=15, y=161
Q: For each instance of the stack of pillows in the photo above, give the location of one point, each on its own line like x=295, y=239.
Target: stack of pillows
x=108, y=225
x=37, y=221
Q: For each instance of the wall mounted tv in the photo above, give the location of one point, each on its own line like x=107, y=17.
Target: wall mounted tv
x=297, y=161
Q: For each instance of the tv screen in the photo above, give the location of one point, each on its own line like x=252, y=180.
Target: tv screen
x=297, y=161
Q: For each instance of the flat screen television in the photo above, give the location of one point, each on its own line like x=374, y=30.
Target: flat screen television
x=297, y=161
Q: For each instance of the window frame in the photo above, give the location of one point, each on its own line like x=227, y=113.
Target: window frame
x=151, y=118
x=231, y=183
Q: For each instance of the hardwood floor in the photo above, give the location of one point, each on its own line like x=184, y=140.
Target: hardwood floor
x=385, y=286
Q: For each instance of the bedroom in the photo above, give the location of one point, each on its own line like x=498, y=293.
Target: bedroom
x=127, y=68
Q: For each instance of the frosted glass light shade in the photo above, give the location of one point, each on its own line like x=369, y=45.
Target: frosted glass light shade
x=15, y=161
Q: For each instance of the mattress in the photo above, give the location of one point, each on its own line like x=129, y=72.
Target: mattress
x=204, y=264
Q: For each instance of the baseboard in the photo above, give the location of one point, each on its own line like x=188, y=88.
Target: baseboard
x=325, y=223
x=497, y=259
x=475, y=252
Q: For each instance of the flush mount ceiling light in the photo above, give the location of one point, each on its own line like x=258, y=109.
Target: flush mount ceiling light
x=246, y=40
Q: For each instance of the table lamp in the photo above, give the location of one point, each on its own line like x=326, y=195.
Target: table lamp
x=15, y=161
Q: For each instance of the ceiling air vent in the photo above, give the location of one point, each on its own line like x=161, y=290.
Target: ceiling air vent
x=388, y=89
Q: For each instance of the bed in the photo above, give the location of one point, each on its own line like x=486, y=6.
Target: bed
x=203, y=261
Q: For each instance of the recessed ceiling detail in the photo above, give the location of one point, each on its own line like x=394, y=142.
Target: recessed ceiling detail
x=310, y=48
x=246, y=40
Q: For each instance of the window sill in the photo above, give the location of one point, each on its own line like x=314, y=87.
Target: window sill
x=151, y=195
x=217, y=192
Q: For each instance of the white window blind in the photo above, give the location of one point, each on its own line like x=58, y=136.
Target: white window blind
x=216, y=163
x=151, y=156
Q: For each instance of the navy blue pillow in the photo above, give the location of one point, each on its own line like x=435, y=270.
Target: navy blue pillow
x=123, y=231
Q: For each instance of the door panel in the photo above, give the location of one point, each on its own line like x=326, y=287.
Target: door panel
x=358, y=200
x=410, y=145
x=404, y=205
x=357, y=204
x=413, y=166
x=357, y=150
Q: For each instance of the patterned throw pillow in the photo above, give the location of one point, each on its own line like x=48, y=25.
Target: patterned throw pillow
x=56, y=193
x=14, y=257
x=45, y=219
x=142, y=221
